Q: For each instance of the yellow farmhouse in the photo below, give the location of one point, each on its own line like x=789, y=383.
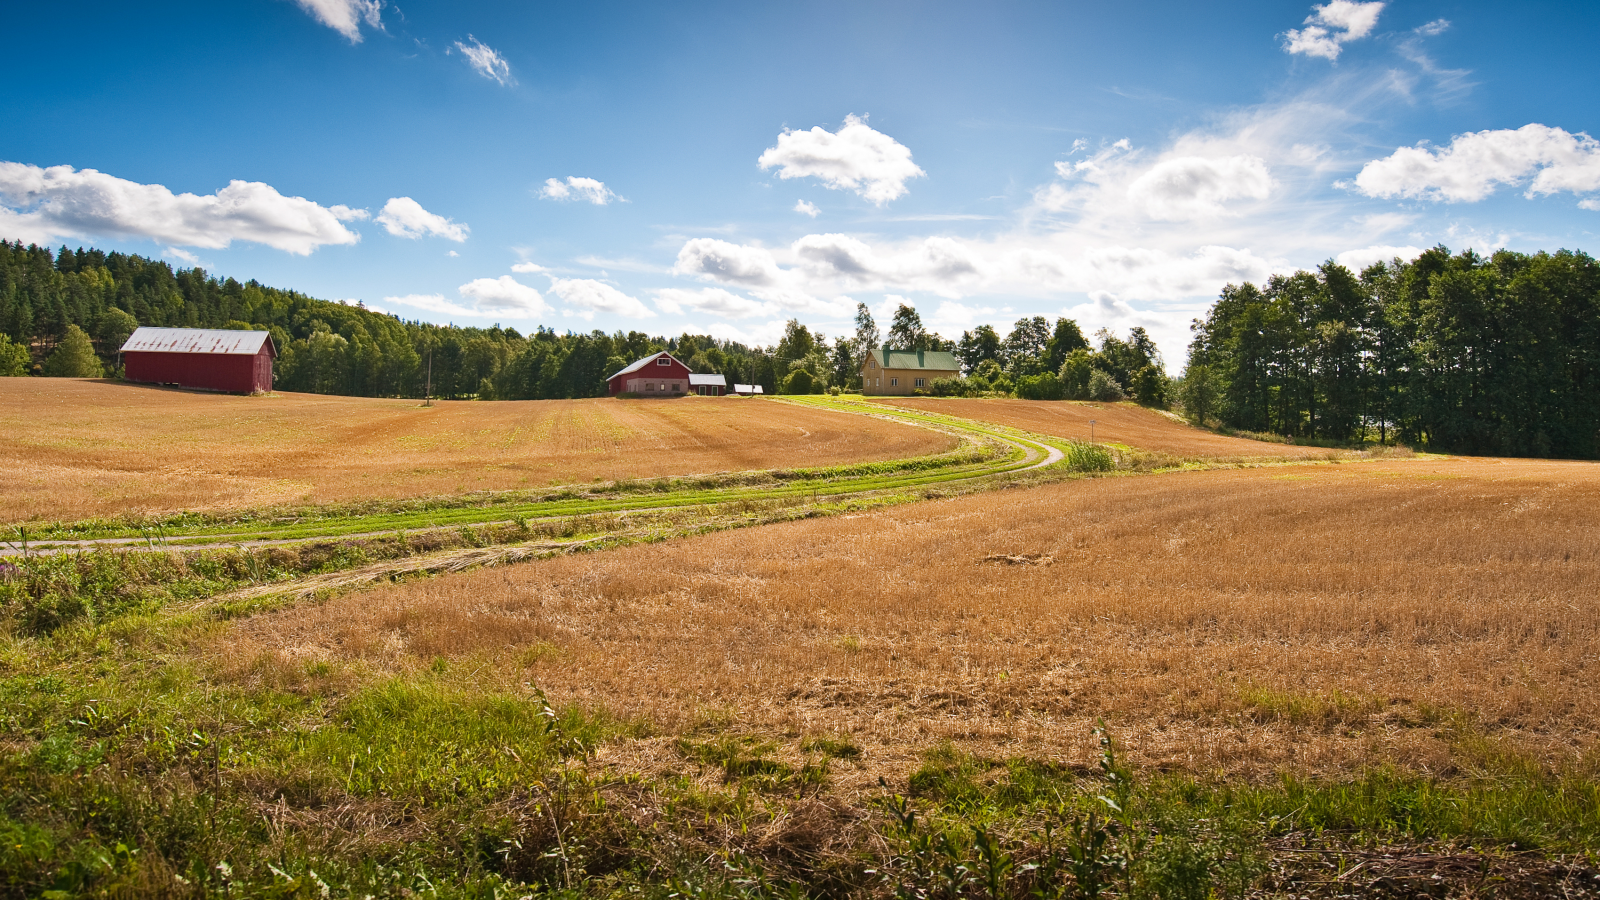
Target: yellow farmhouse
x=905, y=371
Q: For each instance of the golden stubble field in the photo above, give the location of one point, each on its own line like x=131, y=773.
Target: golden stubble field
x=73, y=449
x=1424, y=613
x=1115, y=423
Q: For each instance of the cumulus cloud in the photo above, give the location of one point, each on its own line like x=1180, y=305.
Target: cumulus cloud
x=751, y=267
x=405, y=217
x=586, y=189
x=490, y=298
x=485, y=61
x=939, y=265
x=505, y=294
x=1331, y=26
x=590, y=296
x=713, y=301
x=345, y=16
x=1193, y=187
x=806, y=208
x=1477, y=163
x=433, y=303
x=1356, y=260
x=527, y=268
x=42, y=204
x=856, y=158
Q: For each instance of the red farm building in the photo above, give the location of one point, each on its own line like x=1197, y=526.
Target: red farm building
x=657, y=375
x=209, y=359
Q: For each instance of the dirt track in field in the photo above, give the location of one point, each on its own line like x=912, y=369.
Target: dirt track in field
x=74, y=449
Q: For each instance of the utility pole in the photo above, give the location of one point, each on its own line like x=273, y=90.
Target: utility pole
x=1091, y=431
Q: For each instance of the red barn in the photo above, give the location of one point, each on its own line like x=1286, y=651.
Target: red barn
x=210, y=359
x=657, y=375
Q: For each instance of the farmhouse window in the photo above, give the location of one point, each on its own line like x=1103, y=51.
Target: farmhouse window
x=663, y=361
x=922, y=382
x=649, y=387
x=894, y=382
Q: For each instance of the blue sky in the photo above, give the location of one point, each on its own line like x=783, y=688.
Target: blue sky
x=720, y=168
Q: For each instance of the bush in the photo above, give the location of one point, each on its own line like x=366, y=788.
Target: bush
x=950, y=387
x=1039, y=387
x=14, y=358
x=798, y=382
x=1103, y=388
x=74, y=357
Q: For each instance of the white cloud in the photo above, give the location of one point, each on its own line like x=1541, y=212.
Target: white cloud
x=405, y=217
x=42, y=204
x=623, y=264
x=585, y=189
x=713, y=301
x=345, y=16
x=485, y=61
x=856, y=158
x=951, y=318
x=590, y=297
x=528, y=268
x=346, y=214
x=751, y=267
x=762, y=334
x=433, y=303
x=182, y=255
x=806, y=208
x=938, y=265
x=1432, y=29
x=1194, y=187
x=1356, y=260
x=1477, y=163
x=1331, y=26
x=490, y=298
x=505, y=294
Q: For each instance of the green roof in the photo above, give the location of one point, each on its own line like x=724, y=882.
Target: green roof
x=916, y=359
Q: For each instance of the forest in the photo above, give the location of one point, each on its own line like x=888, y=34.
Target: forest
x=66, y=312
x=1484, y=355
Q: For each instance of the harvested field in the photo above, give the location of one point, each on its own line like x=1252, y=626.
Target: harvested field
x=74, y=449
x=1115, y=423
x=1318, y=619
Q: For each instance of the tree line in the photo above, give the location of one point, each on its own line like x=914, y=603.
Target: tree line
x=1485, y=355
x=67, y=312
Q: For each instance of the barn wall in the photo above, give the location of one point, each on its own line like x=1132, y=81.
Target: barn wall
x=235, y=373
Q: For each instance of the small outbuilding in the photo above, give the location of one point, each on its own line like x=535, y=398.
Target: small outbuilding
x=708, y=385
x=657, y=375
x=747, y=390
x=208, y=359
x=902, y=372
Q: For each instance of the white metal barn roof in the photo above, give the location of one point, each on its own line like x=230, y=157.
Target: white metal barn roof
x=707, y=380
x=195, y=340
